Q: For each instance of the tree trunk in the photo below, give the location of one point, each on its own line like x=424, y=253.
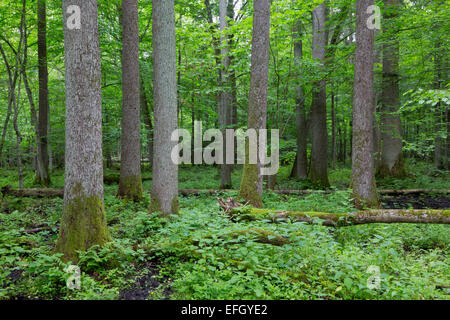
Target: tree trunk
x=251, y=184
x=165, y=171
x=300, y=168
x=318, y=118
x=226, y=98
x=130, y=183
x=391, y=132
x=147, y=121
x=363, y=178
x=42, y=176
x=83, y=223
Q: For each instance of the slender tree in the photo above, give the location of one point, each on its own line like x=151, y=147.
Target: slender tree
x=363, y=177
x=318, y=172
x=165, y=171
x=83, y=223
x=300, y=168
x=251, y=184
x=130, y=182
x=226, y=97
x=391, y=130
x=42, y=176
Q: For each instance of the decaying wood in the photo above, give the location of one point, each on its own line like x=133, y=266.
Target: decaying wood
x=337, y=219
x=49, y=192
x=35, y=192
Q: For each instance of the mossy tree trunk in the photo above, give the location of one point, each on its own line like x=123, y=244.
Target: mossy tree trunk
x=318, y=172
x=251, y=184
x=83, y=223
x=130, y=183
x=165, y=172
x=363, y=177
x=391, y=127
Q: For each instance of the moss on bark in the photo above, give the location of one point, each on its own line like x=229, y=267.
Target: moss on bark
x=130, y=187
x=250, y=189
x=155, y=206
x=397, y=170
x=83, y=225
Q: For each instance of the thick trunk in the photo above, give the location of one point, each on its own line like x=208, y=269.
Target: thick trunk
x=165, y=171
x=318, y=118
x=363, y=177
x=43, y=176
x=251, y=184
x=391, y=132
x=130, y=184
x=83, y=223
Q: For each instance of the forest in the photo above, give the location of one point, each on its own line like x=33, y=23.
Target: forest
x=224, y=150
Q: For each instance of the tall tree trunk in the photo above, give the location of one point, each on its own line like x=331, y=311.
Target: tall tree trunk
x=300, y=168
x=226, y=98
x=83, y=223
x=333, y=130
x=251, y=184
x=42, y=176
x=147, y=122
x=18, y=135
x=318, y=119
x=363, y=177
x=165, y=171
x=130, y=183
x=391, y=132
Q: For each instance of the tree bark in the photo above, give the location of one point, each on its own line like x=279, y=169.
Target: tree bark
x=226, y=98
x=165, y=173
x=130, y=183
x=363, y=177
x=251, y=184
x=391, y=132
x=83, y=223
x=147, y=121
x=42, y=176
x=318, y=119
x=300, y=168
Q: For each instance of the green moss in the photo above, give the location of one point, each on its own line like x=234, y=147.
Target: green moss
x=397, y=171
x=155, y=205
x=175, y=206
x=130, y=187
x=40, y=181
x=83, y=225
x=249, y=186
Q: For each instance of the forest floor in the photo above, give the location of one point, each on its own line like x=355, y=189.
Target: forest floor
x=201, y=254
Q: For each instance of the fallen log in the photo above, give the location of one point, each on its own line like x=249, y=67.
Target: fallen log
x=48, y=192
x=346, y=219
x=34, y=192
x=187, y=192
x=239, y=212
x=114, y=178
